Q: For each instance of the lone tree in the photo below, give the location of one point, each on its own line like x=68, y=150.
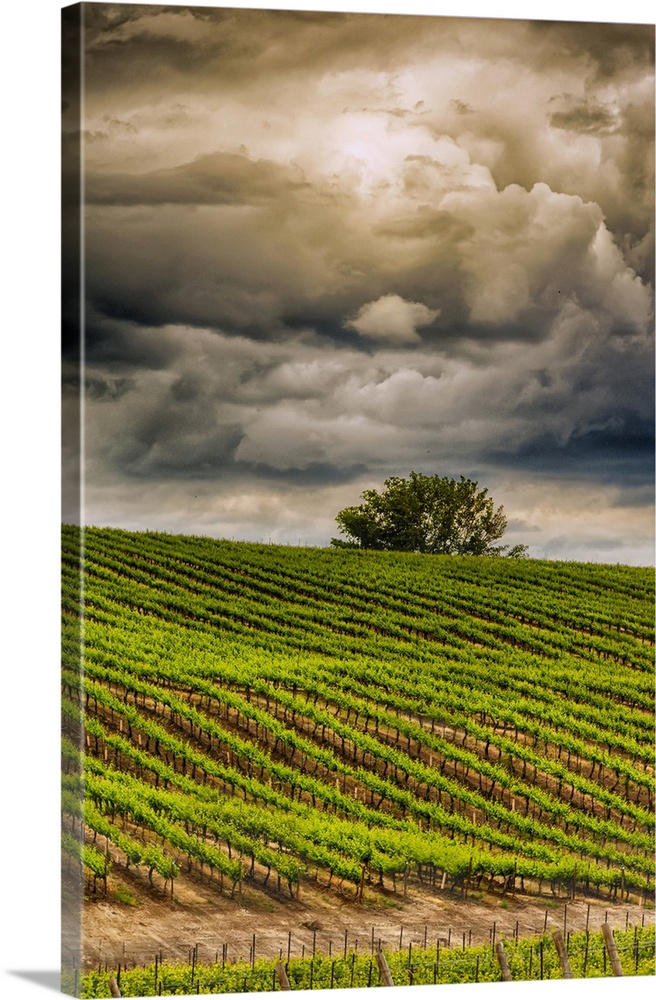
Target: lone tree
x=432, y=514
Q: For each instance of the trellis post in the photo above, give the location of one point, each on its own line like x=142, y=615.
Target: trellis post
x=281, y=973
x=562, y=954
x=383, y=967
x=502, y=959
x=611, y=947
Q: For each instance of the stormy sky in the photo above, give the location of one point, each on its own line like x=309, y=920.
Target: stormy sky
x=324, y=248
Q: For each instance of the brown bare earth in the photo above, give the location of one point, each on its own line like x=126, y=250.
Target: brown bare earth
x=148, y=922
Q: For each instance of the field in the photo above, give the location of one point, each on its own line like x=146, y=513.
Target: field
x=278, y=731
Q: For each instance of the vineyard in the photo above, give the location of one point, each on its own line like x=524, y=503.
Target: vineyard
x=528, y=959
x=271, y=718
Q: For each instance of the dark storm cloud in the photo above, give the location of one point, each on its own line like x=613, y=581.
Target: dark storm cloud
x=126, y=347
x=213, y=179
x=631, y=215
x=325, y=249
x=204, y=268
x=622, y=452
x=198, y=47
x=584, y=116
x=104, y=388
x=163, y=429
x=612, y=50
x=316, y=475
x=302, y=418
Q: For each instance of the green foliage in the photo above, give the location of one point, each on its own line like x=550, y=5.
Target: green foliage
x=264, y=714
x=124, y=896
x=432, y=514
x=529, y=958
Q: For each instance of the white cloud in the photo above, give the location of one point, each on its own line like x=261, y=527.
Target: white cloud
x=393, y=319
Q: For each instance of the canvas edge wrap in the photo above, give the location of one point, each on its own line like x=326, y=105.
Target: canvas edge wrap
x=72, y=373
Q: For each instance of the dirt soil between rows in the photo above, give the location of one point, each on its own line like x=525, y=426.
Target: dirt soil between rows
x=133, y=923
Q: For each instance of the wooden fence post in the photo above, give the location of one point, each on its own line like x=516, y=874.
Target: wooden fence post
x=113, y=987
x=281, y=973
x=562, y=954
x=506, y=977
x=611, y=947
x=385, y=973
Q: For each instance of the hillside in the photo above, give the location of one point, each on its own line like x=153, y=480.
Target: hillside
x=279, y=719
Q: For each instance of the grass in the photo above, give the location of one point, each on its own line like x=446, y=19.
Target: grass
x=124, y=896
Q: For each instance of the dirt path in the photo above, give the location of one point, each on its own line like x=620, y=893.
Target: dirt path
x=148, y=922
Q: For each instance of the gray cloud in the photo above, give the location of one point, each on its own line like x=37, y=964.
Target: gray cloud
x=213, y=179
x=615, y=51
x=324, y=249
x=584, y=117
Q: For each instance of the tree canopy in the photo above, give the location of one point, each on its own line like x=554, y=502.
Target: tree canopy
x=433, y=514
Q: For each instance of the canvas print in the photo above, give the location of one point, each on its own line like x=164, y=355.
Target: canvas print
x=357, y=542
